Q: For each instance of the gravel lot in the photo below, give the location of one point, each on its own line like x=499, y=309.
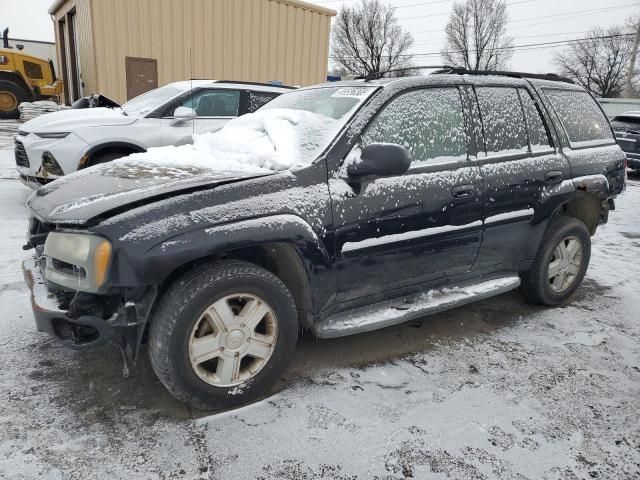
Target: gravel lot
x=501, y=389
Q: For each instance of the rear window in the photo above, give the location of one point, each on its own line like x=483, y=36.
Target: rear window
x=582, y=119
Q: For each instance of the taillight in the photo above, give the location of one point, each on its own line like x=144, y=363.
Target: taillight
x=4, y=60
x=626, y=161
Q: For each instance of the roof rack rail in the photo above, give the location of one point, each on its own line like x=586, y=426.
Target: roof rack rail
x=378, y=75
x=540, y=76
x=244, y=82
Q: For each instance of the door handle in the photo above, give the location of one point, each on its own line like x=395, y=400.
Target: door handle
x=463, y=191
x=554, y=176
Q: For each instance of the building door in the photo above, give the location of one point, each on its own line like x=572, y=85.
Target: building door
x=142, y=75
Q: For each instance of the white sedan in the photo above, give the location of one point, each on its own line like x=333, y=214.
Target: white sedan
x=60, y=143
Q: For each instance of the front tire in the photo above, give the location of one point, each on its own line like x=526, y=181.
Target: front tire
x=223, y=334
x=560, y=264
x=11, y=96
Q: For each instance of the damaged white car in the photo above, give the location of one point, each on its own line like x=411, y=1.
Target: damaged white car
x=60, y=143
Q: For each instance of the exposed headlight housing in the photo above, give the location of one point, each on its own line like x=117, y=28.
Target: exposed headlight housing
x=52, y=134
x=50, y=165
x=78, y=261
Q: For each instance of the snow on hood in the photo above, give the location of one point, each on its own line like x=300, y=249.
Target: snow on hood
x=68, y=120
x=261, y=142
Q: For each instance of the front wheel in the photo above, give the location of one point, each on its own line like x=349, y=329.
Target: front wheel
x=222, y=335
x=560, y=264
x=11, y=96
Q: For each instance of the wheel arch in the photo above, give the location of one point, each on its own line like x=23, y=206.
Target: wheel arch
x=107, y=147
x=284, y=244
x=279, y=258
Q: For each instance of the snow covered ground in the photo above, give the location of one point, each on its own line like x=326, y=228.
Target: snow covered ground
x=497, y=390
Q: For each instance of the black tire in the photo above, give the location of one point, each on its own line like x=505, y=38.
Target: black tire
x=17, y=93
x=106, y=157
x=536, y=284
x=183, y=304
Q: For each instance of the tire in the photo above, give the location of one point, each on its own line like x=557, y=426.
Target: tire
x=11, y=96
x=180, y=320
x=537, y=284
x=106, y=157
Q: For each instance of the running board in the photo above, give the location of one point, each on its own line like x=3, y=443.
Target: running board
x=394, y=312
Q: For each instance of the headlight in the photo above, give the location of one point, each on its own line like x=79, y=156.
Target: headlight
x=78, y=261
x=53, y=135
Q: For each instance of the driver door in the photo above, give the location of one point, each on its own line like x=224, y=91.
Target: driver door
x=214, y=108
x=401, y=231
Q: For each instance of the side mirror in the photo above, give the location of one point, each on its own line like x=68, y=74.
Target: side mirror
x=183, y=114
x=380, y=160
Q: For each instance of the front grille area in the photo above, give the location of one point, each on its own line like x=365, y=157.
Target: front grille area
x=21, y=155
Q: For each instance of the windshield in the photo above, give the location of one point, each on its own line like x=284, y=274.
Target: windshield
x=290, y=131
x=303, y=123
x=149, y=101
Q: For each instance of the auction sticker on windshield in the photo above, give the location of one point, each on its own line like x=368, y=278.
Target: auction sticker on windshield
x=356, y=92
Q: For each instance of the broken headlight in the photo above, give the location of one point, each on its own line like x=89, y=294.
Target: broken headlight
x=77, y=261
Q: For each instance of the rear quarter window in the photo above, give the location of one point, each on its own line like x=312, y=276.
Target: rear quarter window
x=582, y=120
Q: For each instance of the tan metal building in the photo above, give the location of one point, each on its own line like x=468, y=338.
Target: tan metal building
x=121, y=48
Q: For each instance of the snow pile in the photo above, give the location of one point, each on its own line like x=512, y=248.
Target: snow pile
x=31, y=110
x=270, y=140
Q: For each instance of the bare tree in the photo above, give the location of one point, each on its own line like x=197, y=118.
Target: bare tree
x=367, y=38
x=599, y=62
x=476, y=35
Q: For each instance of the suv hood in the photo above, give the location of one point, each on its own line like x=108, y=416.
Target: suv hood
x=69, y=120
x=105, y=190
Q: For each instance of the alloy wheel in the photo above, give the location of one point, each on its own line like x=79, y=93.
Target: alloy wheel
x=233, y=340
x=565, y=264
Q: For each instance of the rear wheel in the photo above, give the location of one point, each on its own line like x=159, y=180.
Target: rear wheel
x=560, y=264
x=222, y=335
x=11, y=96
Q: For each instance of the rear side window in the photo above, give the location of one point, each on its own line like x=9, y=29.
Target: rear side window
x=538, y=135
x=582, y=119
x=503, y=120
x=429, y=123
x=258, y=99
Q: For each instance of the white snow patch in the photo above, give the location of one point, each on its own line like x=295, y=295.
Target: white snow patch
x=269, y=140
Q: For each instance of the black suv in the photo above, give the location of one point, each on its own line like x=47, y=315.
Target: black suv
x=409, y=196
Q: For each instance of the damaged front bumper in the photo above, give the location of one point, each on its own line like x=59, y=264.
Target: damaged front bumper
x=77, y=328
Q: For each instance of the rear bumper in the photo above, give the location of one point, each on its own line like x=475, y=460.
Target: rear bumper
x=54, y=321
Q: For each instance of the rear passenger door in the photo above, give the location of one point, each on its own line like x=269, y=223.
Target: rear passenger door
x=397, y=232
x=520, y=163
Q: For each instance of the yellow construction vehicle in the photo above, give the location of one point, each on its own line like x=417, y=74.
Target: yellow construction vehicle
x=24, y=78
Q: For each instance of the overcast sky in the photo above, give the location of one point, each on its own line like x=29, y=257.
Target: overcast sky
x=531, y=21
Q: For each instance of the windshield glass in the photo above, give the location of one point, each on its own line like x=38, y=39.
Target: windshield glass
x=290, y=131
x=149, y=101
x=300, y=125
